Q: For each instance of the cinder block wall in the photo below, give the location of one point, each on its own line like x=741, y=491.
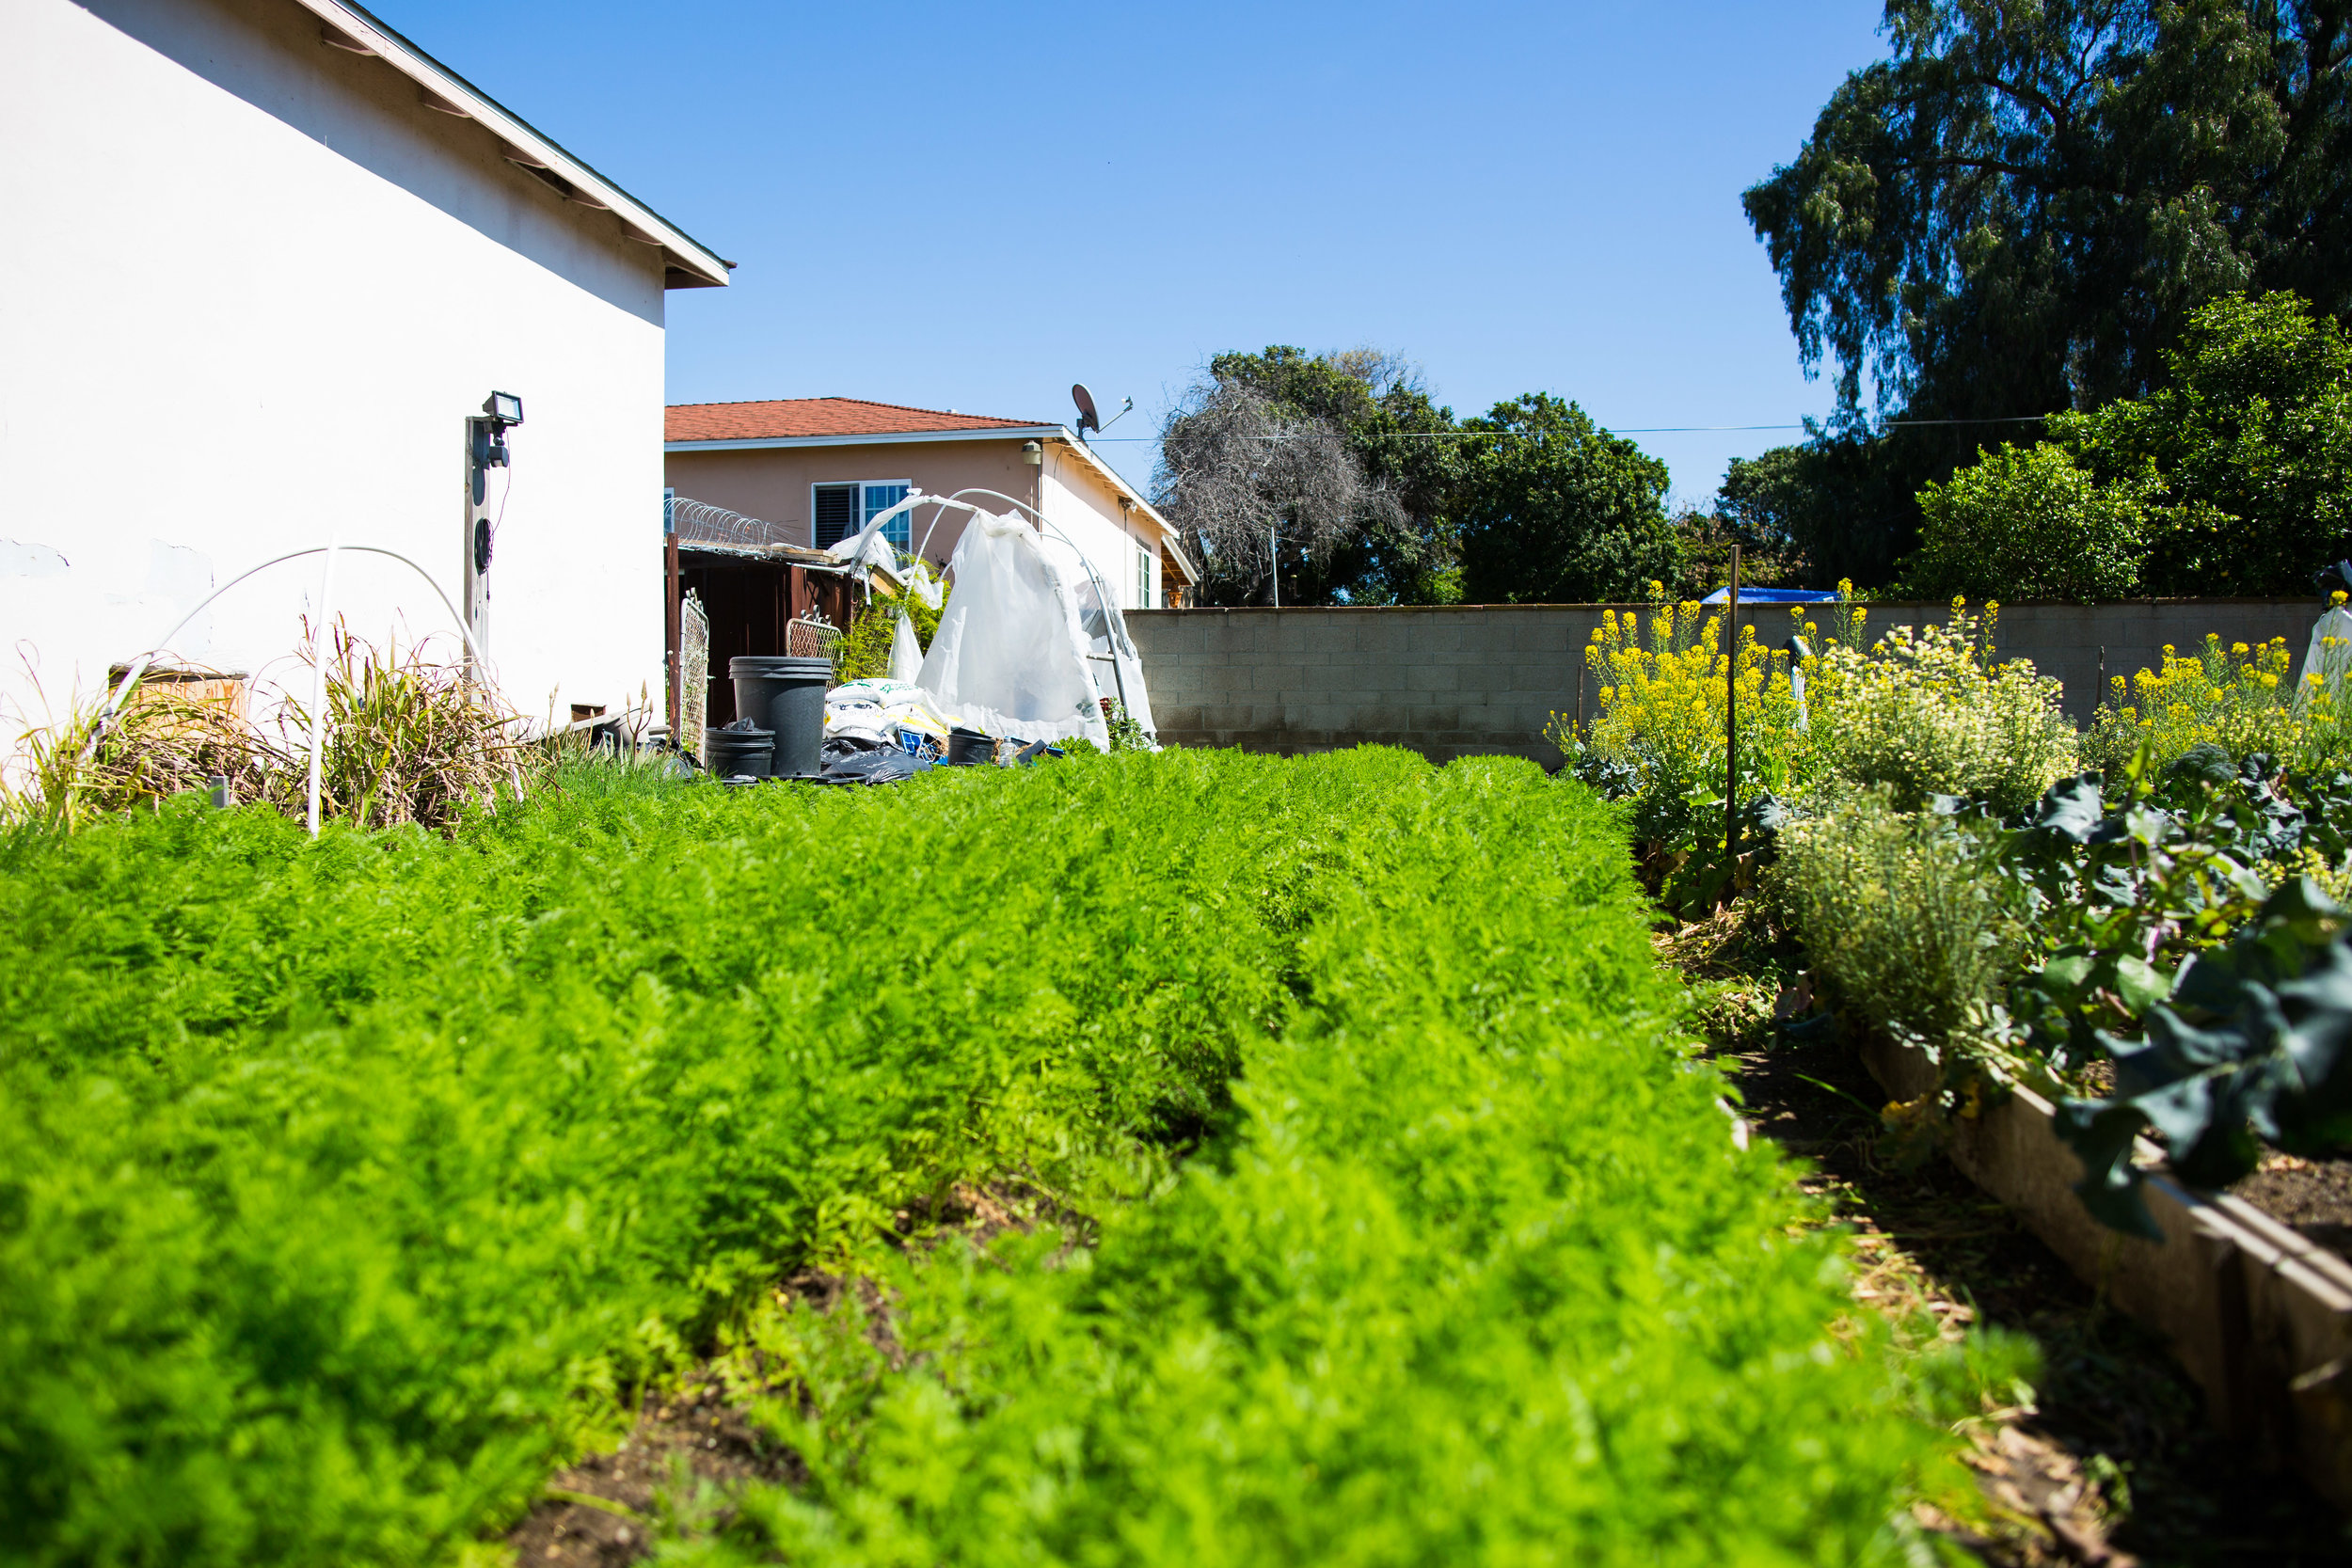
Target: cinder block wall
x=1477, y=679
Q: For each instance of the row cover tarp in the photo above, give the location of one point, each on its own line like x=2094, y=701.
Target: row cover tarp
x=1009, y=656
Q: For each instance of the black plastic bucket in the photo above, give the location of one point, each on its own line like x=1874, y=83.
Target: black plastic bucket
x=728, y=752
x=787, y=696
x=969, y=748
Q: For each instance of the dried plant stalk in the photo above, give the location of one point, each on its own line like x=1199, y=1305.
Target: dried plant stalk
x=410, y=738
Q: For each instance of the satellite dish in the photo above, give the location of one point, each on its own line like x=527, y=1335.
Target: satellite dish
x=1087, y=418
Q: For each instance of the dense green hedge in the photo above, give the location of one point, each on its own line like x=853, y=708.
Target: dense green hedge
x=342, y=1187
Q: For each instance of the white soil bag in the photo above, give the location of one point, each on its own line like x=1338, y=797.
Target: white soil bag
x=1010, y=655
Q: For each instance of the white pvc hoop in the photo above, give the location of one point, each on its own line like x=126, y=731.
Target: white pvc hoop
x=1045, y=527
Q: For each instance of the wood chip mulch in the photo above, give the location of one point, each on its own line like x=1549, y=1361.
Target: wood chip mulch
x=2112, y=1463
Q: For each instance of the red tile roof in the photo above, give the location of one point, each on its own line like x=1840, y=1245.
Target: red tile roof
x=787, y=416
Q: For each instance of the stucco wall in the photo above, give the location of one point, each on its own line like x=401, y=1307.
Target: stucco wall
x=253, y=289
x=1084, y=506
x=1455, y=682
x=773, y=483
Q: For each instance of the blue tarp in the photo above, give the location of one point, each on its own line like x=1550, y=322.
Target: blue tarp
x=1772, y=595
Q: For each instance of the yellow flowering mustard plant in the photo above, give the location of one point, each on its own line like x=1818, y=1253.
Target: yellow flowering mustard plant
x=1923, y=712
x=2245, y=700
x=1665, y=682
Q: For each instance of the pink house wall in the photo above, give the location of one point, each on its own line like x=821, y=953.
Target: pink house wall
x=773, y=483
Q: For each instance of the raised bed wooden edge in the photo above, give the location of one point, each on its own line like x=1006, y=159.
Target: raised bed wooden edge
x=2258, y=1315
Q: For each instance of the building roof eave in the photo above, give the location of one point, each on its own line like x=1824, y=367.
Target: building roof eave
x=688, y=263
x=1094, y=461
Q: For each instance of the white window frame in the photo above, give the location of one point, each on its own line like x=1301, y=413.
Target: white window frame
x=863, y=485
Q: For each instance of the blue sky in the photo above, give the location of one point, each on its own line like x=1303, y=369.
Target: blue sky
x=971, y=207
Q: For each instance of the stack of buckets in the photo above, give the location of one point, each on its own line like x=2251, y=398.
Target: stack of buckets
x=784, y=700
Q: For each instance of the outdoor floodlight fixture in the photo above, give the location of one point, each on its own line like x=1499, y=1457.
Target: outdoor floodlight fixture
x=1032, y=453
x=501, y=412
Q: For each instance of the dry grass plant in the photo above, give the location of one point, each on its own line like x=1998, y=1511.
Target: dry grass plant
x=166, y=741
x=410, y=738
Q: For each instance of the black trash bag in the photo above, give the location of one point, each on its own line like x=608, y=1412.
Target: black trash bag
x=840, y=748
x=874, y=766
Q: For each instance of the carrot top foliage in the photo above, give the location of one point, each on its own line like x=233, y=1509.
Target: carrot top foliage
x=348, y=1188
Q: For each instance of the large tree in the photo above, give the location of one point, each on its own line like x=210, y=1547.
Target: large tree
x=2236, y=478
x=1338, y=461
x=1552, y=509
x=2015, y=213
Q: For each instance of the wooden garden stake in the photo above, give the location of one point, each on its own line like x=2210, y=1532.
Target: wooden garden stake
x=1731, y=732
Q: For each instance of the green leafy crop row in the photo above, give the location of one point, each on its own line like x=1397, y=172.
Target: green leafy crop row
x=345, y=1188
x=1476, y=1276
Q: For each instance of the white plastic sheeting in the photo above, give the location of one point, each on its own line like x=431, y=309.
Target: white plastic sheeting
x=2330, y=661
x=906, y=653
x=1010, y=655
x=1106, y=638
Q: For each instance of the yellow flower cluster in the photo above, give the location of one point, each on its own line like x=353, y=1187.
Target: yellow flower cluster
x=1664, y=688
x=1927, y=713
x=2239, y=698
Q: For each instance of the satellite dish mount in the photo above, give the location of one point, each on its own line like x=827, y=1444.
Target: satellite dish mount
x=1087, y=416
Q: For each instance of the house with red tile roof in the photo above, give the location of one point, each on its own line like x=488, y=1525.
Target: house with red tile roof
x=817, y=469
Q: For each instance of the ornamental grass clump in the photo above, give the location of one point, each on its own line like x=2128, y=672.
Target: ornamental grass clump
x=170, y=736
x=409, y=737
x=1932, y=712
x=2242, y=699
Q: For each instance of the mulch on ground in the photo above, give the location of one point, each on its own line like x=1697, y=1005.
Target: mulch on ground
x=2113, y=1461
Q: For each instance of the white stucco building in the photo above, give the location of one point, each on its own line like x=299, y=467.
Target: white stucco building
x=266, y=258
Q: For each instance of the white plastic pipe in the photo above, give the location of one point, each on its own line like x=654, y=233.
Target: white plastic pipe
x=319, y=634
x=1045, y=527
x=138, y=666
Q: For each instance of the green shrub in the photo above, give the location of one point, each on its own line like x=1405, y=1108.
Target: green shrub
x=863, y=652
x=2250, y=439
x=1904, y=913
x=2029, y=524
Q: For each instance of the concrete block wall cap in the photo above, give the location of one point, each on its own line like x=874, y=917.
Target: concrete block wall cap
x=2277, y=1245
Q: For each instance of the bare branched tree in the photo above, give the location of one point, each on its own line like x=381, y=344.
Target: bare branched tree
x=1382, y=371
x=1241, y=477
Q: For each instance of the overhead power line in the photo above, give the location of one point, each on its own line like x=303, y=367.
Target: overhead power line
x=1616, y=430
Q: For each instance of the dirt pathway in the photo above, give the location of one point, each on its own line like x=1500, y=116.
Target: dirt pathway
x=2113, y=1462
